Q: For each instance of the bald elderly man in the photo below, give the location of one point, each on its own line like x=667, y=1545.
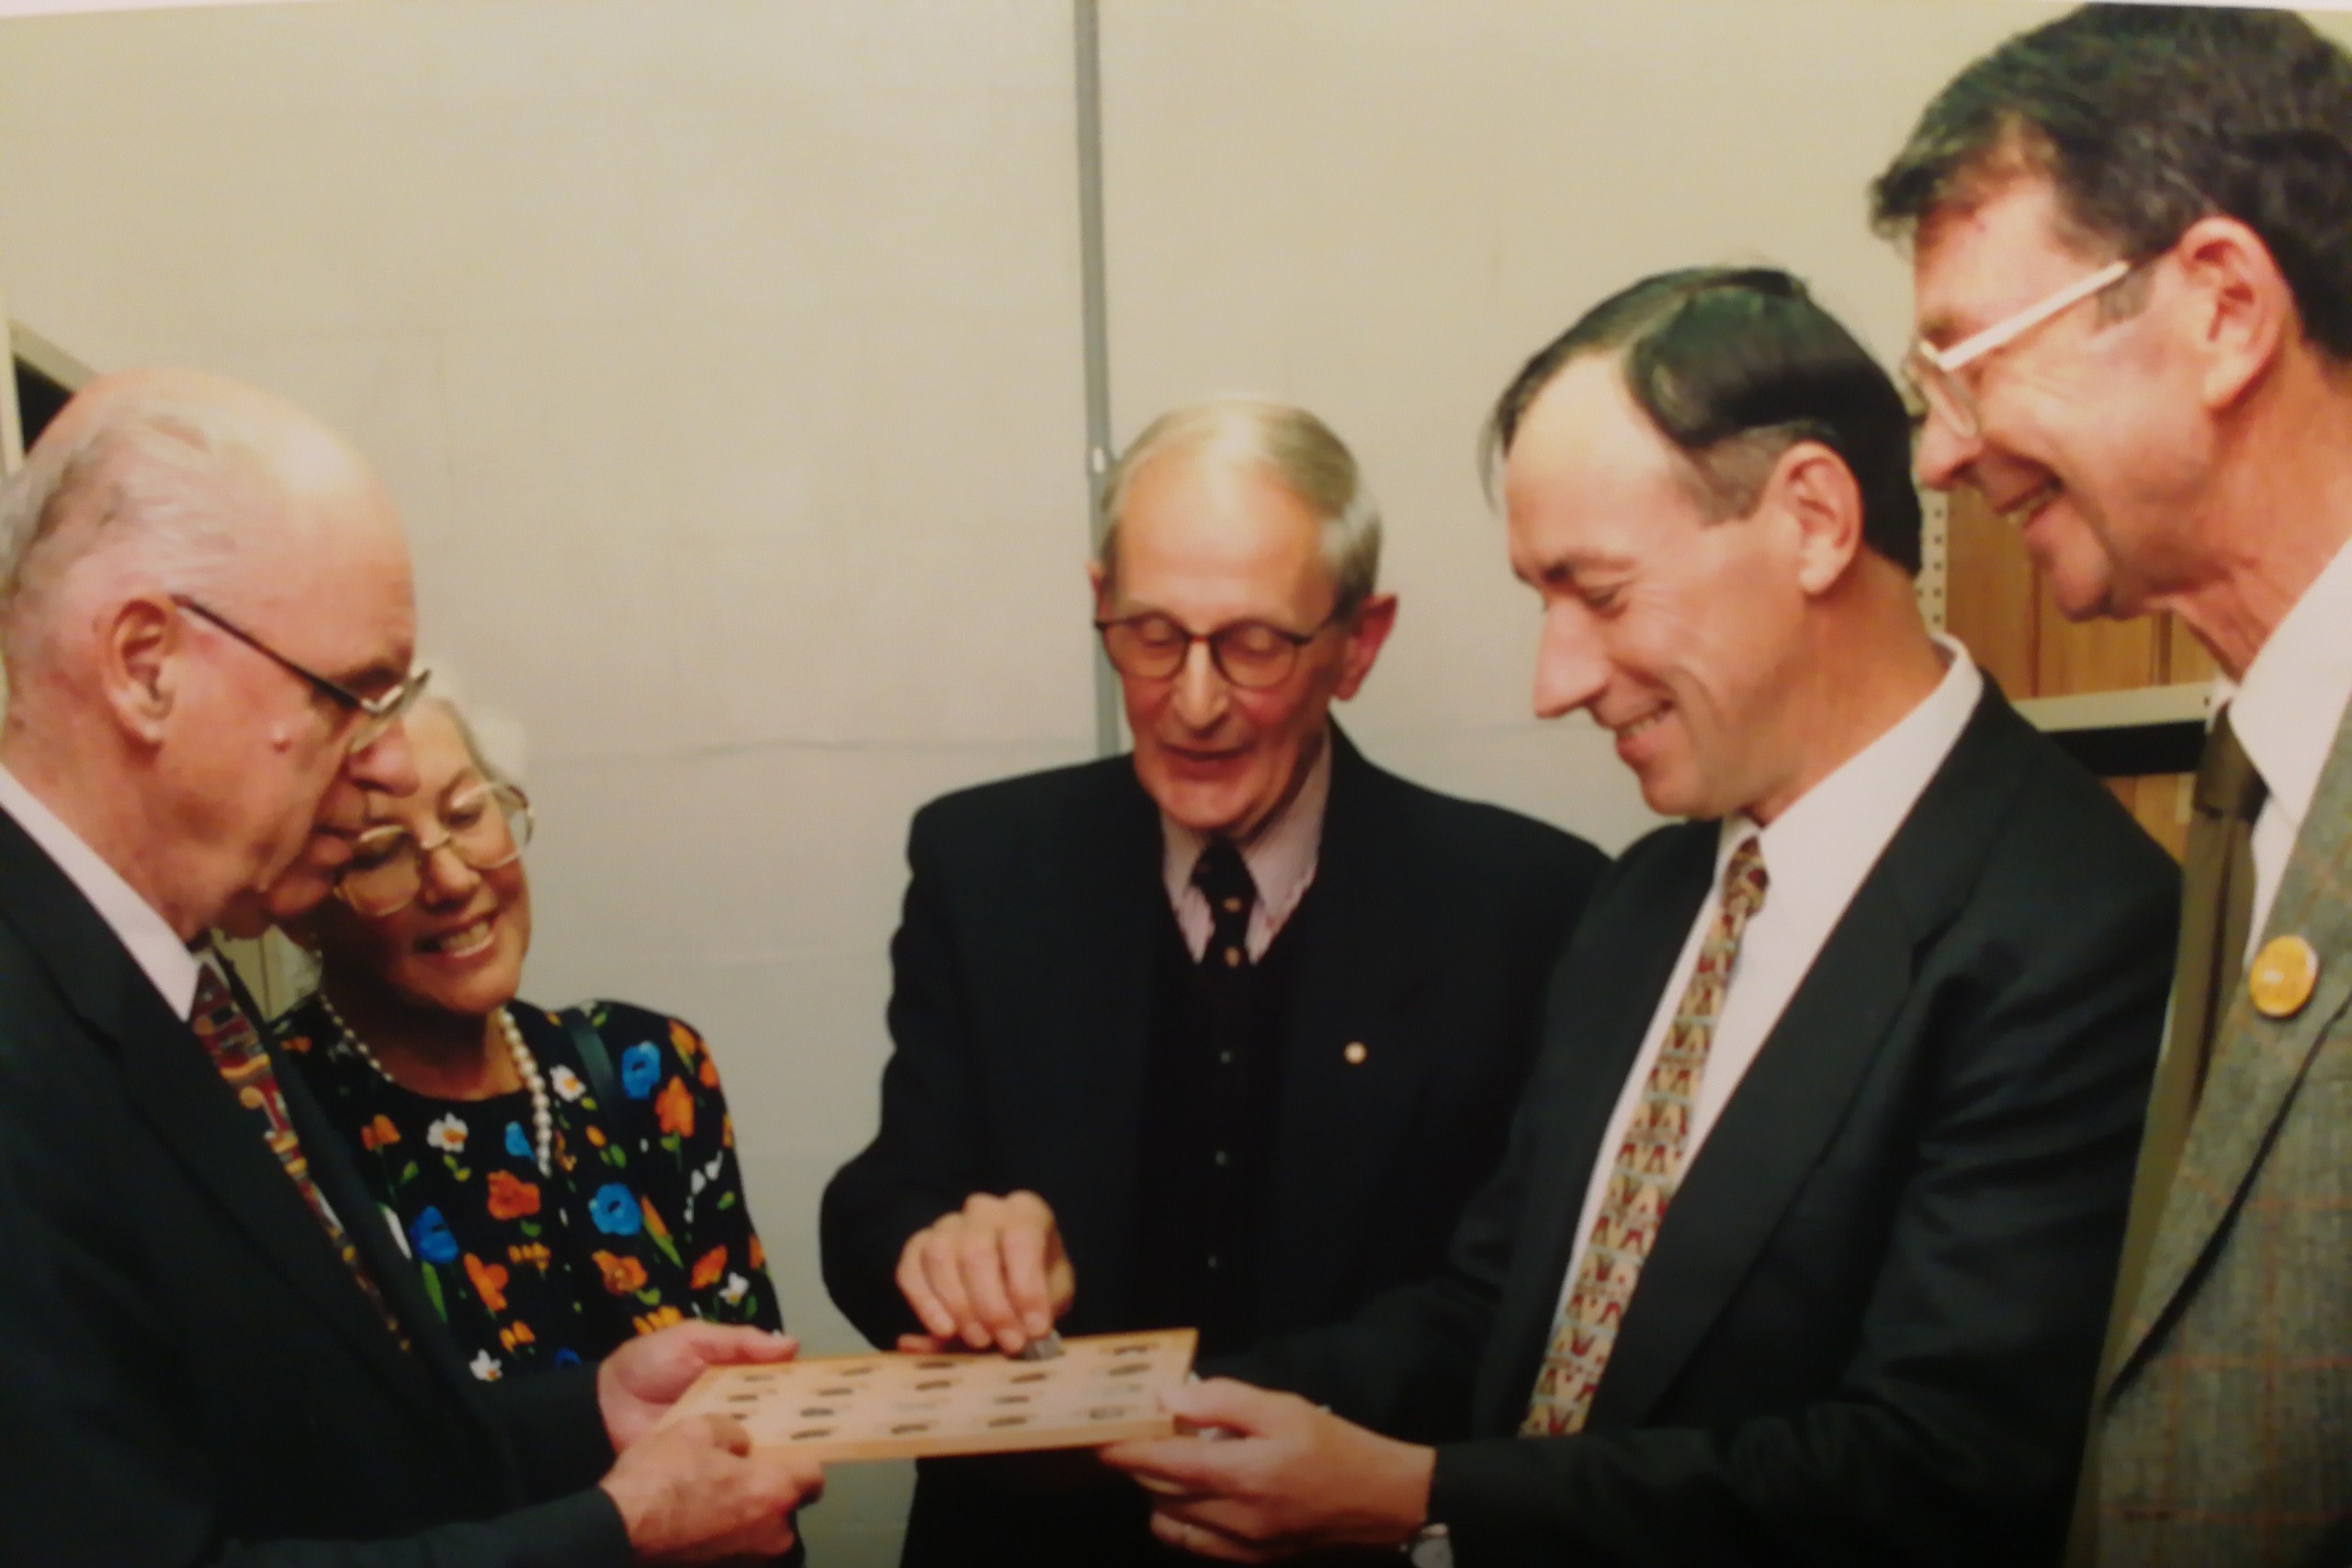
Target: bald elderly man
x=214, y=1352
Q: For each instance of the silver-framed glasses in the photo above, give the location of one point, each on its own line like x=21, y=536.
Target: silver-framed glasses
x=485, y=826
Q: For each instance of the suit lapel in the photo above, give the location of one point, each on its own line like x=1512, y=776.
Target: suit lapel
x=385, y=1260
x=1793, y=1096
x=1600, y=1011
x=186, y=1105
x=176, y=1090
x=1093, y=1051
x=2257, y=1061
x=1362, y=952
x=1769, y=1136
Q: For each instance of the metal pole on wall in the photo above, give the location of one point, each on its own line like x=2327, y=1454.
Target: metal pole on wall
x=1109, y=737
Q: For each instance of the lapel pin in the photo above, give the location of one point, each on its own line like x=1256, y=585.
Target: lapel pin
x=2283, y=974
x=1355, y=1053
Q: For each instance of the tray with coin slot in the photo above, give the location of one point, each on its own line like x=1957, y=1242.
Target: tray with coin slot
x=1101, y=1389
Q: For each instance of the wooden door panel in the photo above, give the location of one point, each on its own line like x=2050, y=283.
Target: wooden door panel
x=1997, y=606
x=1990, y=602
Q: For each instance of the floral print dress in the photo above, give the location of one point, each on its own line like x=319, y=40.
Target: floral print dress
x=640, y=1223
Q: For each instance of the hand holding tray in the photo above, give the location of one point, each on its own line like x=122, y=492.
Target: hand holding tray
x=1103, y=1389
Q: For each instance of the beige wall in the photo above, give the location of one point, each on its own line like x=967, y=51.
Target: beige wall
x=726, y=355
x=1381, y=208
x=725, y=358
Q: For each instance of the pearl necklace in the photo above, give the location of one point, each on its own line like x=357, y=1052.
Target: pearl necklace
x=526, y=1067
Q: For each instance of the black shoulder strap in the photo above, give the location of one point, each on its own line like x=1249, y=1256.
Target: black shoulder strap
x=594, y=1056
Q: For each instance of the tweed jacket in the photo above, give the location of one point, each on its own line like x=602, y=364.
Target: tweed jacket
x=2225, y=1430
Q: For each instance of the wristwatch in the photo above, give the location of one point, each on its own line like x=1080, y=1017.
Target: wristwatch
x=1432, y=1546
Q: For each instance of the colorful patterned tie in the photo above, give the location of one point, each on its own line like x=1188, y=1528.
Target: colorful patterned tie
x=1647, y=1170
x=237, y=1052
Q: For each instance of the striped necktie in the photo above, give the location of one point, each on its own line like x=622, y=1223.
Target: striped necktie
x=1647, y=1170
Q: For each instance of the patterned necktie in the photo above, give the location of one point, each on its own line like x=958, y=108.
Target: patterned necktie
x=1224, y=879
x=1647, y=1170
x=236, y=1049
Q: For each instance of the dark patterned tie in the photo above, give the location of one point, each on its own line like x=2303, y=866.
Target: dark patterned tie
x=1646, y=1172
x=236, y=1051
x=1225, y=881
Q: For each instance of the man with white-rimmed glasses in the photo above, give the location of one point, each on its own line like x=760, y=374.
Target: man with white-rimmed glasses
x=2130, y=232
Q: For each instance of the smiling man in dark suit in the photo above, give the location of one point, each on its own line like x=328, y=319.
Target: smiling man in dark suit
x=213, y=1353
x=1802, y=1249
x=1226, y=1031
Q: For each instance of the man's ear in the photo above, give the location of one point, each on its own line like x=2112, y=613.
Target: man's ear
x=1097, y=586
x=141, y=641
x=1367, y=630
x=1814, y=491
x=2243, y=309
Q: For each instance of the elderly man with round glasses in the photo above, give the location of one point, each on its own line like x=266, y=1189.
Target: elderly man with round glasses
x=1223, y=1033
x=562, y=1181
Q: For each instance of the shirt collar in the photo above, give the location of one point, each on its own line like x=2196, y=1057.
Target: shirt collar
x=1281, y=858
x=2302, y=671
x=1825, y=844
x=154, y=946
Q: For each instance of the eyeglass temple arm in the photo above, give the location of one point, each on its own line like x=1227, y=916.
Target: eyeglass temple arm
x=1968, y=349
x=398, y=699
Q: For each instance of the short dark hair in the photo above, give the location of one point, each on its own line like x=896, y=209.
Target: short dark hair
x=2147, y=119
x=1734, y=366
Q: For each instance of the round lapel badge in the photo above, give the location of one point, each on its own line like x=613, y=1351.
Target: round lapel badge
x=2283, y=974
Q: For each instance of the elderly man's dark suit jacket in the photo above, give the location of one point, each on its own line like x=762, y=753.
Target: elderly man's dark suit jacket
x=187, y=1372
x=1024, y=991
x=1874, y=1313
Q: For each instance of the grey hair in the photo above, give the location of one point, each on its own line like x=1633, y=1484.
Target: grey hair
x=493, y=740
x=169, y=475
x=1292, y=447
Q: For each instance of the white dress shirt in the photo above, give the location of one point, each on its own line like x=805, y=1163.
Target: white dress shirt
x=1816, y=855
x=162, y=956
x=1282, y=860
x=2286, y=713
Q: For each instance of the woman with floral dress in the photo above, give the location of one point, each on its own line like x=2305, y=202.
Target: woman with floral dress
x=562, y=1180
